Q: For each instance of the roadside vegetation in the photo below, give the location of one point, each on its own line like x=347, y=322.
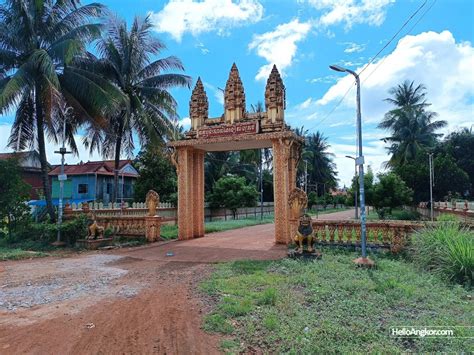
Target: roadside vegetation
x=446, y=250
x=331, y=306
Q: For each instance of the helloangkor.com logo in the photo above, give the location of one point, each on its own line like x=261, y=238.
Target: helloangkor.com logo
x=432, y=332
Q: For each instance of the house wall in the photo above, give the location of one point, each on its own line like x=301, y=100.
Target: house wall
x=33, y=179
x=98, y=188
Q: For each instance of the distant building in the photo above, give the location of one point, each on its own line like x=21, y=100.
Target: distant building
x=94, y=181
x=30, y=165
x=339, y=192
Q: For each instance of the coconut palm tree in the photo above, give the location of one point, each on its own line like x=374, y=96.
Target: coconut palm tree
x=125, y=57
x=412, y=126
x=321, y=168
x=413, y=132
x=39, y=41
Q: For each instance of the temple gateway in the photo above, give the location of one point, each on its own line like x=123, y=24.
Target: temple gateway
x=236, y=129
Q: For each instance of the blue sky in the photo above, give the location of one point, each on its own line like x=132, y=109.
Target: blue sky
x=303, y=37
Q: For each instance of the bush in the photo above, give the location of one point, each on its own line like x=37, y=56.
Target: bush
x=447, y=250
x=405, y=215
x=47, y=232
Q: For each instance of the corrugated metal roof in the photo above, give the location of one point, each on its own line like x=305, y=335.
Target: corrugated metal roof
x=105, y=167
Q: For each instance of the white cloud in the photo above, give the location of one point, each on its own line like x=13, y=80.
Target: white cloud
x=279, y=46
x=433, y=59
x=53, y=158
x=181, y=16
x=328, y=79
x=202, y=48
x=374, y=153
x=352, y=47
x=185, y=122
x=351, y=12
x=217, y=92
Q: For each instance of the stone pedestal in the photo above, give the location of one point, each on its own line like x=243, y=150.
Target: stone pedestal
x=93, y=244
x=153, y=228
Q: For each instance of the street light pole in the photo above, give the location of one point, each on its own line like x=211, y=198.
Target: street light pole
x=61, y=179
x=430, y=159
x=356, y=214
x=306, y=176
x=364, y=261
x=261, y=183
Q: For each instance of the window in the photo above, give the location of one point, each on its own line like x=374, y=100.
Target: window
x=82, y=188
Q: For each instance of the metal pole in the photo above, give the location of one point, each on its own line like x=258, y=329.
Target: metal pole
x=355, y=194
x=63, y=152
x=261, y=184
x=361, y=172
x=360, y=163
x=430, y=160
x=306, y=177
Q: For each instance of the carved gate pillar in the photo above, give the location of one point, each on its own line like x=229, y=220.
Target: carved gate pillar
x=190, y=168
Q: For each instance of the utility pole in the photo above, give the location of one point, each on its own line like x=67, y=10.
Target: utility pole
x=261, y=184
x=62, y=177
x=430, y=160
x=364, y=260
x=306, y=177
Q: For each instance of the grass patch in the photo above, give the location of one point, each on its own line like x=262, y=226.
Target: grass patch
x=291, y=306
x=17, y=254
x=171, y=231
x=24, y=249
x=217, y=323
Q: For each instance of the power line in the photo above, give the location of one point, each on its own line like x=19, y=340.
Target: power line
x=406, y=33
x=372, y=60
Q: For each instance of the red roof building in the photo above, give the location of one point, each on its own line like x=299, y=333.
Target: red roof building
x=30, y=165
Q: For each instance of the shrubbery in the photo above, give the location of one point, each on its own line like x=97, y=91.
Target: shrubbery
x=447, y=250
x=46, y=233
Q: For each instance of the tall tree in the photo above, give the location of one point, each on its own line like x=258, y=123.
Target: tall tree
x=39, y=41
x=126, y=58
x=321, y=168
x=460, y=146
x=412, y=126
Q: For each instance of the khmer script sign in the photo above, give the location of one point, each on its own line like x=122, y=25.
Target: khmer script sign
x=225, y=130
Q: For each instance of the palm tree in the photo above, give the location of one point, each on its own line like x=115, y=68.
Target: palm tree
x=412, y=126
x=415, y=132
x=321, y=168
x=125, y=58
x=39, y=41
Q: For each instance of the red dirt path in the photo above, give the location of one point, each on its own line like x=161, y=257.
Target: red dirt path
x=127, y=301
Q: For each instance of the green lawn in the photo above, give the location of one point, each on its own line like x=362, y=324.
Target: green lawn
x=302, y=307
x=171, y=231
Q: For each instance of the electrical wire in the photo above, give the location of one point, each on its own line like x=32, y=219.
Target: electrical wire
x=372, y=60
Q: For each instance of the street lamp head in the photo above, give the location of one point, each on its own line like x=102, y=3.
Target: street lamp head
x=337, y=68
x=348, y=156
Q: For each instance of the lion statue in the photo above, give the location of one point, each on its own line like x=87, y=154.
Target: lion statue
x=94, y=231
x=304, y=233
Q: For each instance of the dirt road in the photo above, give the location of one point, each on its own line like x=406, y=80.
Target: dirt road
x=136, y=301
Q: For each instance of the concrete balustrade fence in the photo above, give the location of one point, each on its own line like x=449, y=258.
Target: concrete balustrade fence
x=464, y=210
x=392, y=235
x=166, y=210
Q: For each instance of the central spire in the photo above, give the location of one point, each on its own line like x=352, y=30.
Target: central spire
x=234, y=97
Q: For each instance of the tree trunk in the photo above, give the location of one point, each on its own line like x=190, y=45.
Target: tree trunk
x=118, y=148
x=42, y=154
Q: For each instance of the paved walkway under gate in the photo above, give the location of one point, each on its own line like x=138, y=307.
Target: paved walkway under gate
x=255, y=242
